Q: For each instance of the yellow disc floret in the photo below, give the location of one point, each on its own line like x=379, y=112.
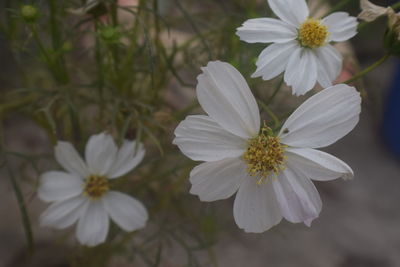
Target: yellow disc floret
x=95, y=186
x=313, y=33
x=264, y=155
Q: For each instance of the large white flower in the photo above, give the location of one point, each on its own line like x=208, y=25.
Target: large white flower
x=300, y=46
x=83, y=194
x=271, y=173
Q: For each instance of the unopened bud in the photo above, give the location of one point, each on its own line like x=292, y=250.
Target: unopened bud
x=29, y=13
x=110, y=34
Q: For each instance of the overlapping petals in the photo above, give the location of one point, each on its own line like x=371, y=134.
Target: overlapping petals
x=71, y=204
x=224, y=94
x=304, y=66
x=320, y=121
x=201, y=138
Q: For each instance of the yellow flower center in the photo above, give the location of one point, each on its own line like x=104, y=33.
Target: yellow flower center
x=264, y=155
x=95, y=186
x=313, y=33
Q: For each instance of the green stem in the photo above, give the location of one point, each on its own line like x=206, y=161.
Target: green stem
x=59, y=61
x=277, y=89
x=339, y=6
x=270, y=113
x=367, y=70
x=100, y=70
x=40, y=44
x=22, y=207
x=396, y=6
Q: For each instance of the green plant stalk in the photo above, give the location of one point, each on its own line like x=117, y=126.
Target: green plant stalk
x=188, y=17
x=22, y=207
x=270, y=113
x=59, y=61
x=367, y=70
x=100, y=70
x=396, y=6
x=277, y=89
x=339, y=6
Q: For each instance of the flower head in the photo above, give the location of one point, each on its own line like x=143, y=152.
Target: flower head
x=300, y=44
x=270, y=173
x=83, y=193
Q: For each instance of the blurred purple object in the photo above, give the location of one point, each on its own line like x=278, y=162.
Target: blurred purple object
x=391, y=120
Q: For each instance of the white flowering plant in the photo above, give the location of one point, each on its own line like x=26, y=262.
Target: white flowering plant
x=135, y=147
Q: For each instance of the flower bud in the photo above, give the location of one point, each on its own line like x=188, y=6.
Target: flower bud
x=110, y=34
x=29, y=13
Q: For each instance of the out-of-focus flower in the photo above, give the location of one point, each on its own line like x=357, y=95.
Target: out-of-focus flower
x=300, y=46
x=83, y=192
x=394, y=22
x=392, y=35
x=271, y=173
x=370, y=11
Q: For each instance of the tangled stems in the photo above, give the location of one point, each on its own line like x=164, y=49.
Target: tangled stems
x=369, y=69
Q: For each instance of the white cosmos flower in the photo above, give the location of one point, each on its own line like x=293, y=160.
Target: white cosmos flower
x=271, y=173
x=300, y=44
x=83, y=194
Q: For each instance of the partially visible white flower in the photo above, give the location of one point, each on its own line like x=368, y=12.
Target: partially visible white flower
x=370, y=11
x=300, y=44
x=271, y=173
x=83, y=193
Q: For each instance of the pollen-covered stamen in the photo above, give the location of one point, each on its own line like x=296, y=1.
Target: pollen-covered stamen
x=95, y=186
x=264, y=155
x=312, y=33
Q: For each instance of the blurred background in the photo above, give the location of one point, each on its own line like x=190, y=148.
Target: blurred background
x=359, y=225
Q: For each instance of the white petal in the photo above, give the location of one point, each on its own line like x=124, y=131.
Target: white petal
x=256, y=208
x=69, y=159
x=225, y=96
x=93, y=225
x=100, y=153
x=125, y=211
x=293, y=12
x=55, y=186
x=217, y=180
x=64, y=213
x=329, y=65
x=301, y=71
x=201, y=138
x=341, y=26
x=266, y=30
x=297, y=196
x=323, y=119
x=129, y=155
x=273, y=60
x=318, y=165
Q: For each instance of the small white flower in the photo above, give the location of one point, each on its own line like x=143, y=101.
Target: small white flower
x=300, y=46
x=271, y=173
x=83, y=194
